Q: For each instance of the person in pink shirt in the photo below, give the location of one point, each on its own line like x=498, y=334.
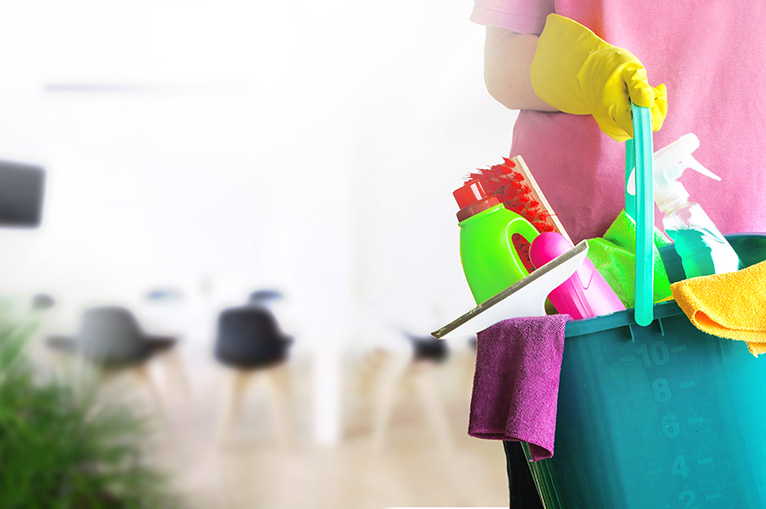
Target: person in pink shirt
x=699, y=66
x=709, y=55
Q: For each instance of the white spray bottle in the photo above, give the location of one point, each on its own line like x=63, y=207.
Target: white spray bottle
x=702, y=248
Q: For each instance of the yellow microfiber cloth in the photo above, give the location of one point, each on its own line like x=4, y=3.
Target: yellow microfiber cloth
x=729, y=305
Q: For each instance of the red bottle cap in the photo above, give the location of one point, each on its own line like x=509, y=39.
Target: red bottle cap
x=471, y=192
x=472, y=198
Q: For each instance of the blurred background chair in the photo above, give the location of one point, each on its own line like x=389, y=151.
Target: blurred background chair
x=42, y=302
x=419, y=369
x=110, y=339
x=250, y=342
x=164, y=309
x=22, y=193
x=427, y=349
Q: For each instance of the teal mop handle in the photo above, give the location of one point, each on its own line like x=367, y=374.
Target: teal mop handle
x=639, y=155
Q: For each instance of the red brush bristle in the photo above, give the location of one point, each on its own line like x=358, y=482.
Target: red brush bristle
x=511, y=188
x=532, y=208
x=522, y=247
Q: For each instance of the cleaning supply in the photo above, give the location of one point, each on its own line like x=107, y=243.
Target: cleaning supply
x=614, y=256
x=666, y=406
x=516, y=384
x=577, y=72
x=514, y=185
x=729, y=305
x=490, y=261
x=585, y=294
x=523, y=298
x=702, y=248
x=640, y=205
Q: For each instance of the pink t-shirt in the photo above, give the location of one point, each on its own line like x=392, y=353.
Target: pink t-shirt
x=712, y=57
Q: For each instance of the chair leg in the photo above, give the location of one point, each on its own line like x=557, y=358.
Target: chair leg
x=84, y=377
x=145, y=377
x=66, y=368
x=60, y=362
x=384, y=397
x=174, y=364
x=276, y=385
x=232, y=403
x=425, y=385
x=90, y=382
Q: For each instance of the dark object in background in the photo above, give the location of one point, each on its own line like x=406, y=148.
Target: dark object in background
x=249, y=337
x=263, y=297
x=428, y=348
x=21, y=194
x=164, y=295
x=42, y=301
x=110, y=337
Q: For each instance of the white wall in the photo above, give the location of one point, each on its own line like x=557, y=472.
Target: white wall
x=228, y=145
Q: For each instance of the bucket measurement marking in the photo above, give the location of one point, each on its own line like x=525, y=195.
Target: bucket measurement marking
x=662, y=392
x=636, y=395
x=644, y=431
x=627, y=359
x=689, y=497
x=669, y=426
x=679, y=466
x=658, y=354
x=677, y=349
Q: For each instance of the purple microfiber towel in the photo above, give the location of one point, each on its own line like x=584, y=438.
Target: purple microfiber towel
x=516, y=384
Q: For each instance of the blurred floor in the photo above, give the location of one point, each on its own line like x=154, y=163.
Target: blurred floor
x=249, y=470
x=348, y=476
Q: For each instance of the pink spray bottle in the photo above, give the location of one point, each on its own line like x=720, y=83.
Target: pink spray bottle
x=586, y=293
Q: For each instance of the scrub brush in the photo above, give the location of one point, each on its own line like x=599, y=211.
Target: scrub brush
x=515, y=187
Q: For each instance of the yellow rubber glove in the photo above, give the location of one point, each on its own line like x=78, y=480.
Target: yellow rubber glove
x=575, y=71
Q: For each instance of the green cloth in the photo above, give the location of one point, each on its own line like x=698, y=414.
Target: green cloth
x=614, y=256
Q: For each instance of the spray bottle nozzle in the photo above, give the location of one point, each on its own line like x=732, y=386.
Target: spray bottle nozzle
x=670, y=163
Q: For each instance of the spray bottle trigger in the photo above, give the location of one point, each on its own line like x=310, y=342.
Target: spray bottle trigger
x=630, y=187
x=688, y=162
x=695, y=165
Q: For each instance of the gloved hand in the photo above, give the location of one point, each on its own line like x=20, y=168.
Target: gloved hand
x=575, y=71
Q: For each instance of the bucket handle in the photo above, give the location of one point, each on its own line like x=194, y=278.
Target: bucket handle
x=639, y=155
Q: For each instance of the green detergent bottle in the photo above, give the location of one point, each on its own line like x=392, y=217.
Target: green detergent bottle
x=490, y=261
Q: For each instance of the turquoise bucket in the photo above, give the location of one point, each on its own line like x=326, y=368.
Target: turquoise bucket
x=663, y=416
